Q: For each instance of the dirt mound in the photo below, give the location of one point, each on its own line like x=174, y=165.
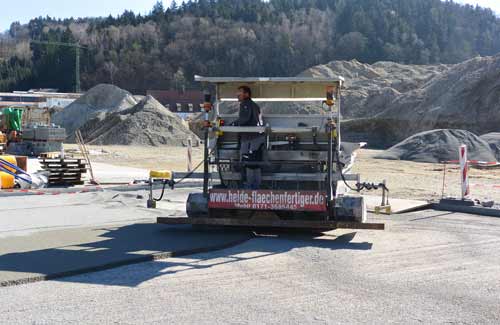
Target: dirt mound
x=493, y=140
x=99, y=99
x=147, y=123
x=464, y=97
x=370, y=88
x=386, y=102
x=439, y=145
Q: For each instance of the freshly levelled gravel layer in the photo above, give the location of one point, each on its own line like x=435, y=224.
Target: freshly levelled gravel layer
x=427, y=267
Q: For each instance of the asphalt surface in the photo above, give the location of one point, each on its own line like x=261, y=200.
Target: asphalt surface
x=427, y=267
x=47, y=237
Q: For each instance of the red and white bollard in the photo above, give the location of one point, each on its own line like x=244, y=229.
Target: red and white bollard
x=464, y=171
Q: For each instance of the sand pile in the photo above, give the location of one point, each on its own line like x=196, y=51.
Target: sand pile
x=370, y=88
x=493, y=140
x=439, y=145
x=99, y=99
x=386, y=102
x=465, y=97
x=147, y=123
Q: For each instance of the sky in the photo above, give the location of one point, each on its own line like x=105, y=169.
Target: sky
x=493, y=4
x=24, y=10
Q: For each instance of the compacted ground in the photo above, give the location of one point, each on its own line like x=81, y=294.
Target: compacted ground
x=424, y=181
x=426, y=267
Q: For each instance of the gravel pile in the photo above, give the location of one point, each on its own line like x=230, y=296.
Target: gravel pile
x=465, y=97
x=386, y=102
x=493, y=140
x=370, y=88
x=439, y=145
x=147, y=123
x=99, y=99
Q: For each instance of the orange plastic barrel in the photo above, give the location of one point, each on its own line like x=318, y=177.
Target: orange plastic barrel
x=7, y=180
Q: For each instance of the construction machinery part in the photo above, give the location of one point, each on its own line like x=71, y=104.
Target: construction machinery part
x=305, y=167
x=256, y=223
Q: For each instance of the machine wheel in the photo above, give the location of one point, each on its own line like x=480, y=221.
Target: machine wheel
x=197, y=206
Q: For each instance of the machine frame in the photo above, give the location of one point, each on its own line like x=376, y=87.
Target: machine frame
x=305, y=158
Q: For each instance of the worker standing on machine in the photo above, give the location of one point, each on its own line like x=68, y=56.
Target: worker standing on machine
x=251, y=144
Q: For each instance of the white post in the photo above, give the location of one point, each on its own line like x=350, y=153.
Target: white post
x=189, y=154
x=464, y=171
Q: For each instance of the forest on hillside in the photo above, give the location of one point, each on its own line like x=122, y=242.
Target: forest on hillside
x=165, y=48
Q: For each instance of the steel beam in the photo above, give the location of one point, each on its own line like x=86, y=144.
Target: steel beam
x=264, y=223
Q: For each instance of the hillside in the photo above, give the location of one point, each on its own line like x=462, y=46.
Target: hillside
x=165, y=48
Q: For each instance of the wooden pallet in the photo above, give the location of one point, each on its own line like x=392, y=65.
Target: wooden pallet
x=64, y=171
x=61, y=161
x=65, y=181
x=64, y=166
x=50, y=155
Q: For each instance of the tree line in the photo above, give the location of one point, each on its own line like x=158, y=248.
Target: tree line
x=166, y=47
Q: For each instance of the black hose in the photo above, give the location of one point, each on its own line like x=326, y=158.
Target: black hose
x=165, y=182
x=359, y=186
x=173, y=183
x=339, y=167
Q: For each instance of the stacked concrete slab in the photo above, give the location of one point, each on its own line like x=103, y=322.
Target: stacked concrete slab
x=38, y=140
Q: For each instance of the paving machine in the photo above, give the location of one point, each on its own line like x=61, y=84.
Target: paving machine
x=305, y=167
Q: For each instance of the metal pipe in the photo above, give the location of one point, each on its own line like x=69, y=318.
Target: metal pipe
x=207, y=107
x=330, y=173
x=205, y=163
x=339, y=101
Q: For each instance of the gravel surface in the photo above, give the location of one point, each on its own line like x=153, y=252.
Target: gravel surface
x=424, y=181
x=427, y=267
x=28, y=214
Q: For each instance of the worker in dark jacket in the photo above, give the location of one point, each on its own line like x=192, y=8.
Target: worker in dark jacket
x=249, y=111
x=251, y=144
